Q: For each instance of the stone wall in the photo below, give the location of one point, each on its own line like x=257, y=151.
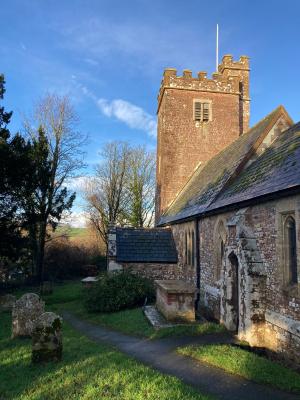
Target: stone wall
x=269, y=307
x=180, y=135
x=185, y=272
x=160, y=271
x=153, y=271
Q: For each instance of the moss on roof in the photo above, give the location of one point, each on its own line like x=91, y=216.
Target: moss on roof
x=208, y=181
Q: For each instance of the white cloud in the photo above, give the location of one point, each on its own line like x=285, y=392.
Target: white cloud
x=132, y=115
x=76, y=219
x=78, y=183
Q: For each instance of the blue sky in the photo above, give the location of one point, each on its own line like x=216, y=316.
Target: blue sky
x=109, y=56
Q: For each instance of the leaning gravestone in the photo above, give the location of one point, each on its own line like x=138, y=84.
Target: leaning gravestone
x=25, y=311
x=7, y=302
x=47, y=338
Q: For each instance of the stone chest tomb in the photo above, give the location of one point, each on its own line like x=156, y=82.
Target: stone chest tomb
x=175, y=299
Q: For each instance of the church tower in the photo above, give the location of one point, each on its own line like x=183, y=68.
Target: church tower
x=197, y=118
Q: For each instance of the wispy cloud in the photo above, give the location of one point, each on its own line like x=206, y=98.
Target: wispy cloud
x=133, y=116
x=91, y=62
x=102, y=39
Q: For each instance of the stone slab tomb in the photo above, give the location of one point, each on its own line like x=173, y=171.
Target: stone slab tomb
x=47, y=338
x=25, y=311
x=89, y=281
x=175, y=299
x=7, y=302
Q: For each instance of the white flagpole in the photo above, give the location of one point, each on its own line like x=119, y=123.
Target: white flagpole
x=217, y=48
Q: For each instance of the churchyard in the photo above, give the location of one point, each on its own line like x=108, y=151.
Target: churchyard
x=89, y=369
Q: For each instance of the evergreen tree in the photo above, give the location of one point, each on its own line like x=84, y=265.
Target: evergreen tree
x=14, y=157
x=43, y=204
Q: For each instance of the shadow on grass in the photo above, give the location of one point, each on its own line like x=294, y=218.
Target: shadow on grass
x=238, y=361
x=87, y=371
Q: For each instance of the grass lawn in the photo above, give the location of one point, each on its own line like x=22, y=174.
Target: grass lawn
x=246, y=364
x=69, y=296
x=88, y=371
x=71, y=232
x=133, y=322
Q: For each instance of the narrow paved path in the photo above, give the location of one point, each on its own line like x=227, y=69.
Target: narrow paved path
x=160, y=354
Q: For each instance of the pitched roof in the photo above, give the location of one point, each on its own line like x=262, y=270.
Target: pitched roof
x=201, y=192
x=145, y=245
x=278, y=168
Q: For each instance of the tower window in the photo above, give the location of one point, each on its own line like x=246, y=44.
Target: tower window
x=202, y=111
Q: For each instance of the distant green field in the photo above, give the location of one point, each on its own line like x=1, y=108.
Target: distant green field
x=72, y=232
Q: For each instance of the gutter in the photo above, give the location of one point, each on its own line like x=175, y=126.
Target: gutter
x=234, y=206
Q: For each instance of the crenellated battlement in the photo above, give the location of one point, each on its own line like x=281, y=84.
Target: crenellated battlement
x=185, y=138
x=226, y=80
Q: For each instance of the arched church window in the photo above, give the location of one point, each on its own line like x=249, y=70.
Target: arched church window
x=193, y=249
x=185, y=248
x=290, y=249
x=220, y=240
x=189, y=248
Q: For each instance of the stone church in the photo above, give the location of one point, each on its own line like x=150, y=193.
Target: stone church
x=227, y=207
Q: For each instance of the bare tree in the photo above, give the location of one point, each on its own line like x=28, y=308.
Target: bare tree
x=105, y=193
x=122, y=190
x=55, y=116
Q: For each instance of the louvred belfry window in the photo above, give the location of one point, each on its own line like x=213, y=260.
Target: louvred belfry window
x=201, y=111
x=205, y=107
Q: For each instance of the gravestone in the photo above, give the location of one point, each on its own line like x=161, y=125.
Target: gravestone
x=6, y=302
x=47, y=338
x=25, y=311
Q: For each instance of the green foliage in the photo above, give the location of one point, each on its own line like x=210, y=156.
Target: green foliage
x=118, y=291
x=68, y=296
x=87, y=371
x=4, y=116
x=15, y=169
x=44, y=203
x=237, y=361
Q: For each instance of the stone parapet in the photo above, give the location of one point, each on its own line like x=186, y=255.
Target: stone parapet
x=225, y=80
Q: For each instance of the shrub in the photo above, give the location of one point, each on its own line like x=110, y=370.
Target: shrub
x=65, y=259
x=118, y=291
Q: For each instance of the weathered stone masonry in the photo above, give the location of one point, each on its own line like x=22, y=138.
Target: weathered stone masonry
x=268, y=310
x=179, y=136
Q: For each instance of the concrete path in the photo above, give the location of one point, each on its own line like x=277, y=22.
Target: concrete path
x=160, y=354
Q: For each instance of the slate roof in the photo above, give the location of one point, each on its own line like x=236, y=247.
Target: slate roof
x=278, y=168
x=218, y=183
x=145, y=245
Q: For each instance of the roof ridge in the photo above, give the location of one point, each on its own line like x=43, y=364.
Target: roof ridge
x=200, y=164
x=207, y=183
